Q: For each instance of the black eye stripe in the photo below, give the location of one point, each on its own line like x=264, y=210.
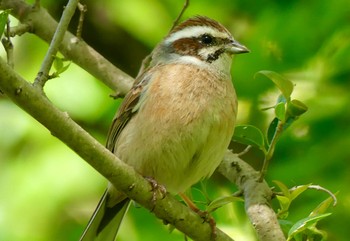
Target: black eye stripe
x=210, y=40
x=201, y=47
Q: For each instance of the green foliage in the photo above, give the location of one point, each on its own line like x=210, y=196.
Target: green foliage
x=221, y=201
x=250, y=135
x=287, y=110
x=283, y=84
x=271, y=131
x=305, y=228
x=59, y=66
x=286, y=199
x=3, y=21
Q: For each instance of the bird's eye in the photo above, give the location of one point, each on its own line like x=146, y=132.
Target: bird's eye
x=207, y=39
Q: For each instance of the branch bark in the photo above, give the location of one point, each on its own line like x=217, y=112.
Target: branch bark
x=44, y=26
x=257, y=194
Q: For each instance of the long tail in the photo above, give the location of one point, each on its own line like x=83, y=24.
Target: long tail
x=106, y=220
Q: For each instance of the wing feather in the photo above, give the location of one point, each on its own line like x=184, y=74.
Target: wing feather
x=127, y=109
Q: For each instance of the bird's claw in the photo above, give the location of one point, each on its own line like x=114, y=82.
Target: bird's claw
x=156, y=188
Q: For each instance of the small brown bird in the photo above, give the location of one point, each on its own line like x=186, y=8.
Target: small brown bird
x=176, y=123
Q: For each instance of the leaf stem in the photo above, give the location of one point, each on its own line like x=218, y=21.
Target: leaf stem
x=186, y=4
x=245, y=151
x=271, y=149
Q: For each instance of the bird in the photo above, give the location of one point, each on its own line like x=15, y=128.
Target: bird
x=176, y=122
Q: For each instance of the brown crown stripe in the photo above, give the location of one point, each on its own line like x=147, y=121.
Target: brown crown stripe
x=199, y=21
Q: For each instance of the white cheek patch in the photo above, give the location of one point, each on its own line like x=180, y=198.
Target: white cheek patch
x=195, y=31
x=191, y=60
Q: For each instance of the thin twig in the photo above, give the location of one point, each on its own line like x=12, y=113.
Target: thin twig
x=319, y=188
x=43, y=74
x=245, y=151
x=238, y=193
x=92, y=61
x=20, y=29
x=147, y=60
x=186, y=4
x=8, y=46
x=83, y=9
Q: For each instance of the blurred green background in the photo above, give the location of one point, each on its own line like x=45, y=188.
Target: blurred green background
x=48, y=193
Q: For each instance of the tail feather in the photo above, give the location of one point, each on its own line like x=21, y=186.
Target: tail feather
x=105, y=222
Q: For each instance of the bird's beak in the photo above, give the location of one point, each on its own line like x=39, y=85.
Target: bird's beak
x=235, y=47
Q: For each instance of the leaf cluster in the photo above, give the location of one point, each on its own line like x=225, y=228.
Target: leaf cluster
x=287, y=111
x=305, y=228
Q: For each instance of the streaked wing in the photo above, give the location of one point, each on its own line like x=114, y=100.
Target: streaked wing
x=126, y=110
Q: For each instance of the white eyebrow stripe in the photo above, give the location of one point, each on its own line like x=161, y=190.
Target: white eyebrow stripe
x=195, y=31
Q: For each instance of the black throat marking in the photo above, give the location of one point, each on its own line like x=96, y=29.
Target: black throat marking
x=214, y=56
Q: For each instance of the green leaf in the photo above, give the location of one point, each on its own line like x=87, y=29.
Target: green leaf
x=3, y=20
x=281, y=99
x=283, y=188
x=322, y=207
x=285, y=225
x=299, y=190
x=305, y=223
x=296, y=108
x=59, y=66
x=272, y=129
x=63, y=69
x=249, y=135
x=285, y=85
x=280, y=111
x=58, y=63
x=290, y=120
x=221, y=201
x=284, y=203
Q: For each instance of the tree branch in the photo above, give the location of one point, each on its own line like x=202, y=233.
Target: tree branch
x=117, y=172
x=8, y=46
x=43, y=25
x=82, y=9
x=57, y=38
x=257, y=194
x=257, y=197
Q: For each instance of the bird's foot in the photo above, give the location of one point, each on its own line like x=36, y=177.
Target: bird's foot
x=209, y=219
x=203, y=214
x=156, y=189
